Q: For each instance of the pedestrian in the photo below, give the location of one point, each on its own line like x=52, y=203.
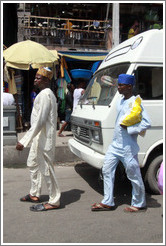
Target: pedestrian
x=69, y=108
x=78, y=92
x=33, y=95
x=124, y=148
x=134, y=30
x=42, y=133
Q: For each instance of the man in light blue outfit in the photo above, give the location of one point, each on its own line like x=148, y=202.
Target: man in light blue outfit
x=124, y=148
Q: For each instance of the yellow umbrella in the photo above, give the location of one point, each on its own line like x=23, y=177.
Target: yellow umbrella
x=28, y=53
x=55, y=53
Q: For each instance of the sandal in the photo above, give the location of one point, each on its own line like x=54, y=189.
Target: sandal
x=60, y=135
x=101, y=207
x=43, y=207
x=28, y=198
x=132, y=209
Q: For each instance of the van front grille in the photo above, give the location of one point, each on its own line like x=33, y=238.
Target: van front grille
x=81, y=133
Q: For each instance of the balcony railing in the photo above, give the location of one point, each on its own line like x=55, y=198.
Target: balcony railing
x=71, y=33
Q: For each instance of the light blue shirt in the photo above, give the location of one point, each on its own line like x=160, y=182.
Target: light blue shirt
x=125, y=141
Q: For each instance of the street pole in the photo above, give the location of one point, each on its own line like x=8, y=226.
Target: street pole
x=115, y=25
x=108, y=8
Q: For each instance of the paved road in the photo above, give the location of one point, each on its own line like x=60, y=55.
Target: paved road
x=74, y=222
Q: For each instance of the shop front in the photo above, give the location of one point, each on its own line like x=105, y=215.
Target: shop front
x=70, y=68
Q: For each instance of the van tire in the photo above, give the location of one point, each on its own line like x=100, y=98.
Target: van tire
x=151, y=181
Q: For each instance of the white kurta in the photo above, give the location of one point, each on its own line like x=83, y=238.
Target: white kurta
x=76, y=96
x=42, y=134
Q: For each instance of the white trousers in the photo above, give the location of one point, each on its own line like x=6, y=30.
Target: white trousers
x=40, y=164
x=133, y=174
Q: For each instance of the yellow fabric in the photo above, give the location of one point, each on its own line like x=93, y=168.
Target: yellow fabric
x=9, y=74
x=28, y=53
x=134, y=116
x=84, y=58
x=44, y=72
x=131, y=33
x=62, y=66
x=12, y=84
x=55, y=53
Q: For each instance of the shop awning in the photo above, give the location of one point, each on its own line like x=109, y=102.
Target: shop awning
x=85, y=56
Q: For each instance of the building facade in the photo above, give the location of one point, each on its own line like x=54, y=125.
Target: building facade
x=84, y=25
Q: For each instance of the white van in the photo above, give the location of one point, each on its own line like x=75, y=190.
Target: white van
x=93, y=120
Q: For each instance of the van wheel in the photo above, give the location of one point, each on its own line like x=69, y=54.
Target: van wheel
x=151, y=176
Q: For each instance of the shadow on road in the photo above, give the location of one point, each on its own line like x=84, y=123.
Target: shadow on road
x=67, y=197
x=90, y=175
x=70, y=196
x=122, y=186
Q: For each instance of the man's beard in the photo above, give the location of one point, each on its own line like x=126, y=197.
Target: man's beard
x=36, y=89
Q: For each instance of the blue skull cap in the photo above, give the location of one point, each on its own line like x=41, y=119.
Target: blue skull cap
x=126, y=79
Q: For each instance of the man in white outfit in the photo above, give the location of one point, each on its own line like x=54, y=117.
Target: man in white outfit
x=42, y=134
x=78, y=92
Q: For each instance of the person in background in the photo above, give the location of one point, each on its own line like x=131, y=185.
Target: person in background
x=134, y=30
x=124, y=148
x=33, y=96
x=8, y=99
x=69, y=108
x=42, y=134
x=78, y=92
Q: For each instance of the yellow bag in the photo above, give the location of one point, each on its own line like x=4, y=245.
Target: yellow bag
x=134, y=115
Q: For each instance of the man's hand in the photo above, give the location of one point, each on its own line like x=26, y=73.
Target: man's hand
x=19, y=146
x=125, y=127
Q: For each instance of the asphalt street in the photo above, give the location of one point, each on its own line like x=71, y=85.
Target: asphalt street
x=74, y=222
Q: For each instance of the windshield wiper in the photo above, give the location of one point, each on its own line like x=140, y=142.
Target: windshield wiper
x=93, y=104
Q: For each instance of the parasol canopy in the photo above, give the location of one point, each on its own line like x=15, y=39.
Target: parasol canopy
x=26, y=54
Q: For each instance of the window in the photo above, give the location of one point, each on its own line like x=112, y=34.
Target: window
x=103, y=86
x=149, y=83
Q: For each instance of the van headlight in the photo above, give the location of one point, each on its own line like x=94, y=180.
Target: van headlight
x=96, y=136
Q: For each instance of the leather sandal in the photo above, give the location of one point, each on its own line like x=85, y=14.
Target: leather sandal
x=101, y=207
x=28, y=198
x=43, y=207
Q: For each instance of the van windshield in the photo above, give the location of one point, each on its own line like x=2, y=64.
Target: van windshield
x=103, y=86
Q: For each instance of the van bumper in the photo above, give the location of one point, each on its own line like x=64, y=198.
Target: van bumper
x=88, y=155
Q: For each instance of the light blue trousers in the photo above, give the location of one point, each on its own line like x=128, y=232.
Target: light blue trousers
x=133, y=174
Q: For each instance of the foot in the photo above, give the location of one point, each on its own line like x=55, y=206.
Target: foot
x=101, y=207
x=132, y=209
x=43, y=207
x=29, y=198
x=60, y=135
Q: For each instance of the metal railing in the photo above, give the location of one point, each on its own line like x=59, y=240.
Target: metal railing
x=65, y=32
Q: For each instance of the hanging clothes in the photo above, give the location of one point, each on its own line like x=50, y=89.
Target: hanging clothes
x=62, y=66
x=62, y=85
x=11, y=80
x=67, y=76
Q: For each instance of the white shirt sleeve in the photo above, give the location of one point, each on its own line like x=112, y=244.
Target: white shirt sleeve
x=39, y=117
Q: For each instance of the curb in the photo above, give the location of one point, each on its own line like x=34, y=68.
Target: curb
x=17, y=159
